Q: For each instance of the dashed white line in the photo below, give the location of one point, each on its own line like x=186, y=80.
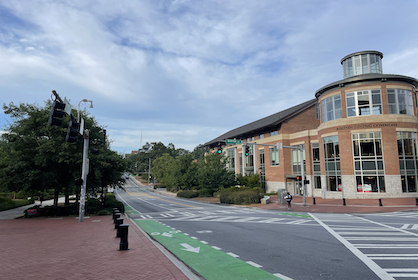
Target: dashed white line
x=232, y=255
x=254, y=264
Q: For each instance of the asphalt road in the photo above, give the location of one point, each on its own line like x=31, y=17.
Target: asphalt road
x=287, y=245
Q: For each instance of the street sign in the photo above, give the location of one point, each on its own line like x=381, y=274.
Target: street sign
x=279, y=146
x=67, y=106
x=233, y=141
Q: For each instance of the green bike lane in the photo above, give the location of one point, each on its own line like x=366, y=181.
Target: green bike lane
x=205, y=260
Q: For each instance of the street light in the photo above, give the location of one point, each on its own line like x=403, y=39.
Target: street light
x=78, y=111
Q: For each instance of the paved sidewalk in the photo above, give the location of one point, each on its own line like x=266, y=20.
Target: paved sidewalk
x=336, y=205
x=64, y=248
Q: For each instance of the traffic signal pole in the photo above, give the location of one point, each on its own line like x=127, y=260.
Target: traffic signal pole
x=84, y=173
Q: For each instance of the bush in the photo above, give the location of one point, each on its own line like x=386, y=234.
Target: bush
x=111, y=203
x=6, y=203
x=7, y=195
x=187, y=194
x=252, y=181
x=205, y=193
x=241, y=198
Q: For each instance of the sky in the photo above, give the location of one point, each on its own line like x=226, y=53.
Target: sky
x=185, y=72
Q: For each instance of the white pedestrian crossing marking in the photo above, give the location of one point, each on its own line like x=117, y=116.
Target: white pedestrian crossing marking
x=382, y=239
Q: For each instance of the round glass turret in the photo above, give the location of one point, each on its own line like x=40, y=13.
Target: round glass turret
x=359, y=63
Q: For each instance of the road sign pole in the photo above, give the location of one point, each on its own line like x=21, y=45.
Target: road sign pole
x=84, y=173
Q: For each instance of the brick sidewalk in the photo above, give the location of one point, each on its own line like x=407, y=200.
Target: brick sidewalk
x=336, y=205
x=64, y=248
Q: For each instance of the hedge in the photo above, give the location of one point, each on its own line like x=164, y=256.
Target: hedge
x=241, y=198
x=187, y=194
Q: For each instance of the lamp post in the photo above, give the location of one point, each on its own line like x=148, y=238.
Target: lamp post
x=84, y=170
x=78, y=110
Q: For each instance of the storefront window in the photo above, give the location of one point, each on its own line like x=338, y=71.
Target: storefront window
x=368, y=162
x=332, y=163
x=231, y=158
x=407, y=151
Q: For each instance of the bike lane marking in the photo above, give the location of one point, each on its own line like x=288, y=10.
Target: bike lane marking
x=207, y=261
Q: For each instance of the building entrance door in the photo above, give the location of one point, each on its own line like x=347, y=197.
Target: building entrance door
x=298, y=187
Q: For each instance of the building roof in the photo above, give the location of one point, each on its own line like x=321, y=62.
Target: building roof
x=261, y=124
x=371, y=77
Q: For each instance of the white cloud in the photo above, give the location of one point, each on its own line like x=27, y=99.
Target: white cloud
x=178, y=68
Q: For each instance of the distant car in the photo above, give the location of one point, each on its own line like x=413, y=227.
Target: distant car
x=126, y=178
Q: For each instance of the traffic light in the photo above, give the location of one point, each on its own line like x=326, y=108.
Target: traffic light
x=57, y=112
x=247, y=150
x=298, y=178
x=219, y=148
x=72, y=131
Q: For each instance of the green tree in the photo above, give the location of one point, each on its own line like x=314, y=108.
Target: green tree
x=35, y=156
x=212, y=173
x=164, y=170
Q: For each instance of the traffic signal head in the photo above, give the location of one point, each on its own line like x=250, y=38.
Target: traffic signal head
x=219, y=148
x=247, y=150
x=57, y=112
x=72, y=131
x=298, y=178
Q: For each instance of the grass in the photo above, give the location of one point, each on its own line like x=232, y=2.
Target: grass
x=6, y=203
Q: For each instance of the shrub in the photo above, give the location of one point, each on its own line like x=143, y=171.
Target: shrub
x=205, y=193
x=187, y=194
x=22, y=195
x=6, y=203
x=111, y=202
x=7, y=195
x=241, y=198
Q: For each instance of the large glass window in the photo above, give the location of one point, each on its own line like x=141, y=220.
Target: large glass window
x=231, y=158
x=274, y=156
x=362, y=64
x=366, y=102
x=407, y=151
x=368, y=162
x=296, y=160
x=331, y=108
x=400, y=101
x=316, y=164
x=261, y=156
x=332, y=163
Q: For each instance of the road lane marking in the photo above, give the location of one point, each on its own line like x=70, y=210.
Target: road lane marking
x=227, y=266
x=254, y=264
x=367, y=261
x=150, y=196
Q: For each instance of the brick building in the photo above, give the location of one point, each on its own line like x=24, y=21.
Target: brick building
x=358, y=137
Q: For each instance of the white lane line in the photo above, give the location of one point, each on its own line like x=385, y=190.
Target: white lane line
x=369, y=233
x=371, y=264
x=193, y=237
x=298, y=222
x=245, y=219
x=406, y=275
x=268, y=221
x=233, y=255
x=383, y=225
x=204, y=242
x=405, y=226
x=254, y=264
x=415, y=227
x=216, y=248
x=401, y=269
x=282, y=276
x=409, y=239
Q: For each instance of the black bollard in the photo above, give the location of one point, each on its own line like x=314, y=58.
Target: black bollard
x=114, y=213
x=119, y=221
x=314, y=201
x=123, y=245
x=416, y=201
x=117, y=216
x=344, y=201
x=380, y=202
